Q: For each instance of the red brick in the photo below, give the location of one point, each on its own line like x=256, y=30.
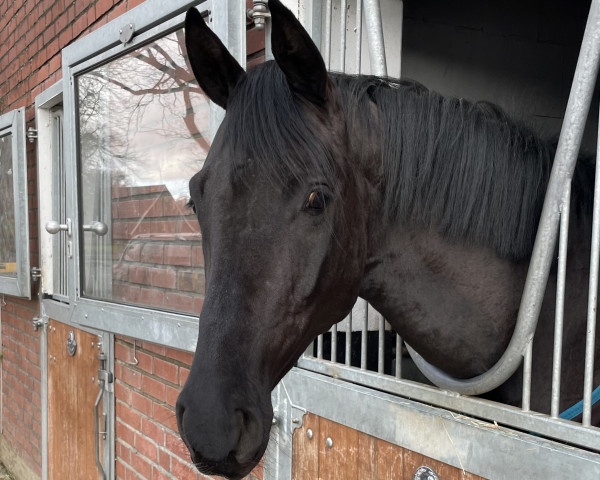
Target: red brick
x=152, y=253
x=163, y=277
x=131, y=377
x=165, y=416
x=183, y=375
x=183, y=471
x=178, y=255
x=180, y=355
x=138, y=274
x=197, y=257
x=159, y=474
x=141, y=403
x=166, y=370
x=179, y=302
x=154, y=388
x=146, y=447
x=152, y=297
x=171, y=395
x=153, y=431
x=174, y=443
x=125, y=433
x=128, y=416
x=164, y=459
x=155, y=348
x=141, y=466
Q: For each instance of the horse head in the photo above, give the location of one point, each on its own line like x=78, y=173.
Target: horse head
x=283, y=214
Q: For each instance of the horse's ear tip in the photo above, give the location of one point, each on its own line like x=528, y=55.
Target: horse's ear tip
x=192, y=15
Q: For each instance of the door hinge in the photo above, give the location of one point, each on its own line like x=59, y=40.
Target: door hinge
x=31, y=134
x=36, y=273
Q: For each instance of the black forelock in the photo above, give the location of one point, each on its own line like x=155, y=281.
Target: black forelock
x=270, y=125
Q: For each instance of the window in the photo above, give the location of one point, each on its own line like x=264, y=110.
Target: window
x=136, y=128
x=14, y=224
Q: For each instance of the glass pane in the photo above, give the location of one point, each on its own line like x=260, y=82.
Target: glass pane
x=8, y=251
x=143, y=133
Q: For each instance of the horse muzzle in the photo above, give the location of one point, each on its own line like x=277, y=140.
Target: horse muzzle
x=221, y=441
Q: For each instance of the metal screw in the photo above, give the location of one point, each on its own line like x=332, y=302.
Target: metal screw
x=329, y=442
x=309, y=434
x=93, y=379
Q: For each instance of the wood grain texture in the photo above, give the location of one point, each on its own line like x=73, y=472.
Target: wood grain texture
x=71, y=397
x=357, y=456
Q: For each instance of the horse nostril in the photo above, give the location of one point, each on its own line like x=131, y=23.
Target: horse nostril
x=250, y=435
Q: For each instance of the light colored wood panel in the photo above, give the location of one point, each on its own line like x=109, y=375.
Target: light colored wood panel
x=71, y=397
x=367, y=457
x=305, y=451
x=342, y=456
x=389, y=460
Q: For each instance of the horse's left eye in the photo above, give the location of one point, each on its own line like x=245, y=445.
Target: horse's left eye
x=316, y=202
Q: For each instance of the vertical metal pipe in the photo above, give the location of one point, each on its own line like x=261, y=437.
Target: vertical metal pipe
x=525, y=402
x=560, y=301
x=327, y=52
x=588, y=377
x=349, y=340
x=375, y=38
x=343, y=22
x=398, y=356
x=363, y=338
x=358, y=30
x=334, y=331
x=320, y=347
x=381, y=345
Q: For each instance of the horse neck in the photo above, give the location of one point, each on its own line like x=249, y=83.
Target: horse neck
x=455, y=304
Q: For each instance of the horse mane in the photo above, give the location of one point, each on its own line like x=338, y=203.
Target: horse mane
x=463, y=168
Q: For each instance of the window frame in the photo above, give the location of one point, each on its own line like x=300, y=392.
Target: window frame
x=151, y=20
x=13, y=123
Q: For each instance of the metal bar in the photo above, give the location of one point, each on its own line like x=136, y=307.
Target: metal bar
x=363, y=338
x=588, y=377
x=543, y=251
x=381, y=345
x=565, y=431
x=349, y=340
x=526, y=394
x=375, y=38
x=560, y=301
x=334, y=343
x=343, y=22
x=327, y=52
x=320, y=346
x=398, y=356
x=358, y=35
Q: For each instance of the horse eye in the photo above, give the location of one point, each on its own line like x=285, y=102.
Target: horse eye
x=316, y=201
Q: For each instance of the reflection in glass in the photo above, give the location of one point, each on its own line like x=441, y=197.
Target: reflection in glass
x=8, y=251
x=143, y=130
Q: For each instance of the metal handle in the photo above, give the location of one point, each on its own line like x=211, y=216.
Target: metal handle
x=99, y=228
x=97, y=431
x=53, y=227
x=37, y=322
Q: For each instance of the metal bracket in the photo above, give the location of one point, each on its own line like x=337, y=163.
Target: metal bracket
x=31, y=134
x=38, y=322
x=259, y=13
x=36, y=273
x=126, y=33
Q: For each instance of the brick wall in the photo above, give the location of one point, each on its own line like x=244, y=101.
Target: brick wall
x=32, y=34
x=148, y=445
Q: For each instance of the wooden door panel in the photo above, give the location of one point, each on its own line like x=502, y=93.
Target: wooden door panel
x=71, y=397
x=357, y=456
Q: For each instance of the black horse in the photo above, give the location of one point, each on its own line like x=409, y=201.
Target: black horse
x=320, y=188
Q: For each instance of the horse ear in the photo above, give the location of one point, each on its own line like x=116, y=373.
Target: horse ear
x=297, y=55
x=214, y=67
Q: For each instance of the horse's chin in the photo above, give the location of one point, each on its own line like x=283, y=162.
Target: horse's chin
x=230, y=468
